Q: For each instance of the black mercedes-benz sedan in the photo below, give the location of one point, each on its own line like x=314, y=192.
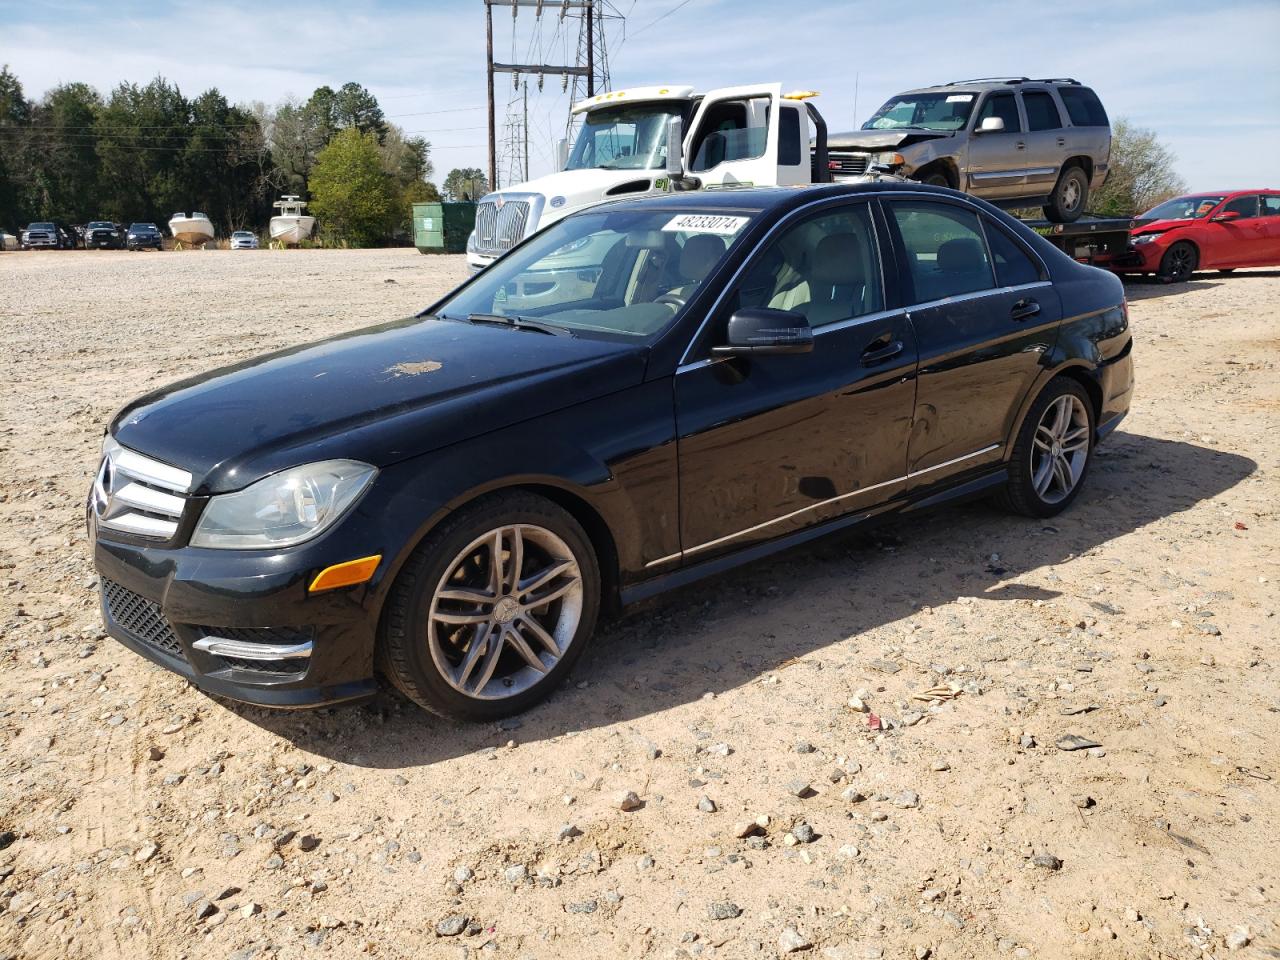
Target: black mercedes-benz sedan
x=642, y=394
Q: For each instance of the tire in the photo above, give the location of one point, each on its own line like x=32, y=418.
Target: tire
x=1178, y=263
x=1070, y=196
x=1030, y=490
x=435, y=648
x=936, y=179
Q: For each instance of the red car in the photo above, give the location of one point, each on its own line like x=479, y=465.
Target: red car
x=1204, y=231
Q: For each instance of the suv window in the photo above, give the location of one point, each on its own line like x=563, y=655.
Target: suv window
x=1271, y=205
x=825, y=267
x=1013, y=266
x=1004, y=106
x=1042, y=112
x=1247, y=207
x=946, y=255
x=1083, y=107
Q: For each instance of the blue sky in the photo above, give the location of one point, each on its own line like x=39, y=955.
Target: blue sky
x=1206, y=77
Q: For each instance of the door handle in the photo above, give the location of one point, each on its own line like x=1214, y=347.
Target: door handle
x=1024, y=309
x=878, y=354
x=1062, y=141
x=1021, y=145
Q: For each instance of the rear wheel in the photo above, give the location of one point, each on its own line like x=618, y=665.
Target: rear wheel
x=1069, y=196
x=1052, y=452
x=493, y=609
x=1178, y=263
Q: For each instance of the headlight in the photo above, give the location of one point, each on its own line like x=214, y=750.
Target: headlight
x=1142, y=238
x=471, y=242
x=284, y=508
x=888, y=159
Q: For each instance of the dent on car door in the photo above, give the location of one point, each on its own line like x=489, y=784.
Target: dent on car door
x=769, y=444
x=984, y=315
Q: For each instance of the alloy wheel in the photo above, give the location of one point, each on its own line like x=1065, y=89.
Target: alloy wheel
x=1181, y=264
x=505, y=612
x=1060, y=449
x=1070, y=194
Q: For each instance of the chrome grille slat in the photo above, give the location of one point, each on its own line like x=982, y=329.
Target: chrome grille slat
x=849, y=164
x=498, y=229
x=136, y=494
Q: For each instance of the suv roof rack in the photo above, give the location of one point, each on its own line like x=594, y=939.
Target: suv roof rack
x=1070, y=80
x=956, y=83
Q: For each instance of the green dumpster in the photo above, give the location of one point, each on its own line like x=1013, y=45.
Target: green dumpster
x=443, y=227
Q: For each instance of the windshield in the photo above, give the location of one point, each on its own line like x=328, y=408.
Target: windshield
x=1182, y=208
x=624, y=138
x=923, y=111
x=143, y=227
x=627, y=272
x=41, y=226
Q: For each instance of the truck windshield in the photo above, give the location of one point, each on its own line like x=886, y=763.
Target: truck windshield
x=624, y=137
x=1182, y=208
x=923, y=111
x=626, y=273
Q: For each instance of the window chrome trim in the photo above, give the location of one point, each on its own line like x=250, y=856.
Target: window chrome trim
x=822, y=503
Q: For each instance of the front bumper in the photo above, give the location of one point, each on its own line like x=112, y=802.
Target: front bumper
x=198, y=612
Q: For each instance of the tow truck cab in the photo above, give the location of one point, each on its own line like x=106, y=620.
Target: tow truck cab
x=651, y=140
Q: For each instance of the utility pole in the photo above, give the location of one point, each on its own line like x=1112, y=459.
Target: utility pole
x=591, y=65
x=525, y=127
x=493, y=159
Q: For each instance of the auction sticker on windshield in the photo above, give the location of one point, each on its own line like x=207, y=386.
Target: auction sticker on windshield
x=706, y=223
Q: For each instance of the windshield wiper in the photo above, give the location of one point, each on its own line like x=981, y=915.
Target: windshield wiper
x=519, y=323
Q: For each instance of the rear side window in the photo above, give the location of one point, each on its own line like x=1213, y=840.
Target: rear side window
x=1083, y=106
x=946, y=255
x=1013, y=266
x=1271, y=205
x=1042, y=112
x=789, y=137
x=1004, y=106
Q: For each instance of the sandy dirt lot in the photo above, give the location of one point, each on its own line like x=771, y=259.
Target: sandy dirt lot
x=140, y=818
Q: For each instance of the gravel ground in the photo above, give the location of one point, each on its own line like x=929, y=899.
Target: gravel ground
x=141, y=818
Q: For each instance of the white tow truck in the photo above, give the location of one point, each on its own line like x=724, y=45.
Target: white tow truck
x=652, y=140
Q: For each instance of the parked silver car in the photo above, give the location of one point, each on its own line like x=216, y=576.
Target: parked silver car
x=244, y=240
x=1013, y=141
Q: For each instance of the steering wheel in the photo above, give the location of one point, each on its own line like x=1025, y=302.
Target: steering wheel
x=672, y=299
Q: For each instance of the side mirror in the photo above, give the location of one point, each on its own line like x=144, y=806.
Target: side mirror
x=675, y=148
x=562, y=154
x=760, y=330
x=1227, y=215
x=991, y=125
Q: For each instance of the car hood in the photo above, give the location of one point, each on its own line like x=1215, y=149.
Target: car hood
x=880, y=139
x=1160, y=226
x=379, y=395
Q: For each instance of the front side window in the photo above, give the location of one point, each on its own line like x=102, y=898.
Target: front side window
x=1004, y=106
x=625, y=273
x=731, y=130
x=825, y=268
x=624, y=138
x=1013, y=265
x=946, y=255
x=1247, y=207
x=1042, y=112
x=924, y=111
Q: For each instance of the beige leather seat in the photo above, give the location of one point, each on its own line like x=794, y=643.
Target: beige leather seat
x=701, y=252
x=837, y=280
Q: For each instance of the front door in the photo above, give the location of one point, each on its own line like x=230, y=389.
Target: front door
x=771, y=444
x=984, y=315
x=733, y=139
x=1235, y=236
x=998, y=158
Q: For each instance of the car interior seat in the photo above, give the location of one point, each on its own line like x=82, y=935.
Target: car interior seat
x=962, y=267
x=837, y=280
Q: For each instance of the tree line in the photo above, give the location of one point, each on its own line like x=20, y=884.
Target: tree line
x=143, y=152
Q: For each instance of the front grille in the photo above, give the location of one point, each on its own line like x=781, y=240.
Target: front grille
x=138, y=495
x=140, y=618
x=849, y=164
x=500, y=229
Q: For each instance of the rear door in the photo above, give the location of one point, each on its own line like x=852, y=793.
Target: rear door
x=733, y=139
x=1046, y=140
x=984, y=315
x=1271, y=229
x=998, y=161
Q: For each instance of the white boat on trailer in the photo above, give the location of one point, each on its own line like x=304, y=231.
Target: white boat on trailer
x=291, y=226
x=191, y=229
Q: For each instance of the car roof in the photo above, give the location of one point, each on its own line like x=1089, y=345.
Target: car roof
x=980, y=85
x=761, y=199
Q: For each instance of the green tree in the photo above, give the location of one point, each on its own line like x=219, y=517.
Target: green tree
x=143, y=134
x=15, y=115
x=350, y=190
x=1142, y=173
x=354, y=106
x=466, y=183
x=62, y=153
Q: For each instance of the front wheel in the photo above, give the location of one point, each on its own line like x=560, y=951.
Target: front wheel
x=1069, y=196
x=1052, y=452
x=1178, y=263
x=493, y=609
x=936, y=179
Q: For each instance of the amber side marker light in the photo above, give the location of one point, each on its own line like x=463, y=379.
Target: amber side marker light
x=346, y=574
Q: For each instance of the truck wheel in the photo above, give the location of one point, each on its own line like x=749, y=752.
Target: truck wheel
x=1069, y=196
x=936, y=179
x=1178, y=263
x=1052, y=452
x=493, y=609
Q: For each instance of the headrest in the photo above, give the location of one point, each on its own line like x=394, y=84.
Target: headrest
x=700, y=253
x=837, y=260
x=960, y=255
